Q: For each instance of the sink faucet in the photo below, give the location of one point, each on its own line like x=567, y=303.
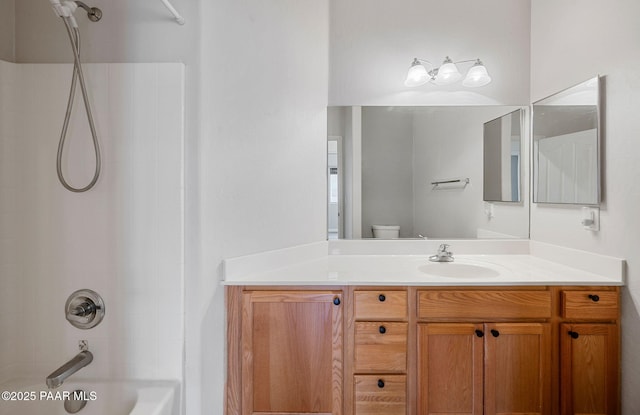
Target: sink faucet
x=81, y=360
x=443, y=255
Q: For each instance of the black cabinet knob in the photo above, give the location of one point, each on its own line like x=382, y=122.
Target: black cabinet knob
x=380, y=383
x=594, y=297
x=336, y=301
x=495, y=333
x=382, y=297
x=382, y=329
x=479, y=333
x=573, y=334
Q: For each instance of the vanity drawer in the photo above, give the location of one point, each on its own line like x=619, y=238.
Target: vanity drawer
x=380, y=395
x=590, y=305
x=484, y=305
x=380, y=347
x=380, y=305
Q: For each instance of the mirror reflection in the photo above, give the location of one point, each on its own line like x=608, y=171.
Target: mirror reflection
x=566, y=146
x=502, y=158
x=411, y=172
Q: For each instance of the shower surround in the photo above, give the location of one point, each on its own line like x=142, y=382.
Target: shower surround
x=123, y=239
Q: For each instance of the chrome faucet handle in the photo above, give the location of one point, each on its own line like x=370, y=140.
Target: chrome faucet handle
x=443, y=248
x=84, y=309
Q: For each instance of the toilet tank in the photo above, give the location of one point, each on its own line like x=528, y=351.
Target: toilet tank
x=386, y=231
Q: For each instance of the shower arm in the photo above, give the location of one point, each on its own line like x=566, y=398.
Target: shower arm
x=66, y=8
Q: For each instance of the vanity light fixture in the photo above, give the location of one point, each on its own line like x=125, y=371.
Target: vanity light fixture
x=447, y=73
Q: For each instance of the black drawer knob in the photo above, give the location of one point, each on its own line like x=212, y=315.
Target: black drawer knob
x=382, y=329
x=479, y=333
x=594, y=297
x=382, y=297
x=336, y=301
x=495, y=333
x=380, y=383
x=573, y=334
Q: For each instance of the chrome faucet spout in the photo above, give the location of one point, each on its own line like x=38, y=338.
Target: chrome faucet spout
x=81, y=360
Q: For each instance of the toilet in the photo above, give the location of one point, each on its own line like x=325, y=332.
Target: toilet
x=386, y=231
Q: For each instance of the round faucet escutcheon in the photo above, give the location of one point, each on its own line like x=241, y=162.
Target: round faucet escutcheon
x=84, y=309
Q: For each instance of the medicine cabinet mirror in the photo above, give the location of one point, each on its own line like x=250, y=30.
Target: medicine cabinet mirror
x=566, y=146
x=502, y=158
x=383, y=162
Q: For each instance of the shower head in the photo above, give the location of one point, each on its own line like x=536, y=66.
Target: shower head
x=93, y=13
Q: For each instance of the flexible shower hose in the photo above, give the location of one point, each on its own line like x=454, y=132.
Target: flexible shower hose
x=74, y=37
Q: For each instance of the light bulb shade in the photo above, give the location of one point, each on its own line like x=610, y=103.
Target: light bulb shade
x=417, y=75
x=448, y=73
x=477, y=76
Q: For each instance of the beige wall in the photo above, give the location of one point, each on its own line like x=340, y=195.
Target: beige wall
x=130, y=31
x=7, y=30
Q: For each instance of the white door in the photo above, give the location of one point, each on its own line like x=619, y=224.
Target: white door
x=335, y=226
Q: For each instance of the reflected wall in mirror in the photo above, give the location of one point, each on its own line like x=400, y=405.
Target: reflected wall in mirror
x=566, y=142
x=502, y=158
x=391, y=155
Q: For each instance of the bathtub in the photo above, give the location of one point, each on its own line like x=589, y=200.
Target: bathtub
x=29, y=397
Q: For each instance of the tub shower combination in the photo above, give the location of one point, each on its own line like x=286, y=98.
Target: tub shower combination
x=65, y=390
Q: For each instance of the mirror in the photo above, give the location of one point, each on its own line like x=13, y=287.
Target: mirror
x=566, y=146
x=502, y=158
x=411, y=171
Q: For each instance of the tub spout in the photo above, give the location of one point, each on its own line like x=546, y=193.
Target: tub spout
x=81, y=360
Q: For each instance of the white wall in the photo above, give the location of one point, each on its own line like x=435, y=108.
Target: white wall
x=7, y=30
x=598, y=38
x=262, y=155
x=123, y=238
x=448, y=144
x=387, y=170
x=374, y=41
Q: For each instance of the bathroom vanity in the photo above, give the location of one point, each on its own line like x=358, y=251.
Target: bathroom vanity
x=431, y=346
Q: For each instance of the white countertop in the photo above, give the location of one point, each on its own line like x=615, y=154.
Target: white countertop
x=312, y=265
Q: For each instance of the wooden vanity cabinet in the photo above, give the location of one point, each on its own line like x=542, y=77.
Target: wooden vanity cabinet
x=423, y=350
x=589, y=352
x=468, y=364
x=290, y=351
x=379, y=331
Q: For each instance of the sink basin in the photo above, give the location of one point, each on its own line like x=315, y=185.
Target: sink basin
x=458, y=270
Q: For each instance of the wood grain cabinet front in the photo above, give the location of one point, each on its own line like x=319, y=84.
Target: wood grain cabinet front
x=292, y=353
x=380, y=305
x=589, y=369
x=538, y=350
x=590, y=305
x=491, y=368
x=380, y=347
x=460, y=305
x=380, y=336
x=380, y=394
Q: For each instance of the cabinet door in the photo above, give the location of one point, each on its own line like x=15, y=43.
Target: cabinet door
x=450, y=369
x=517, y=368
x=589, y=362
x=292, y=352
